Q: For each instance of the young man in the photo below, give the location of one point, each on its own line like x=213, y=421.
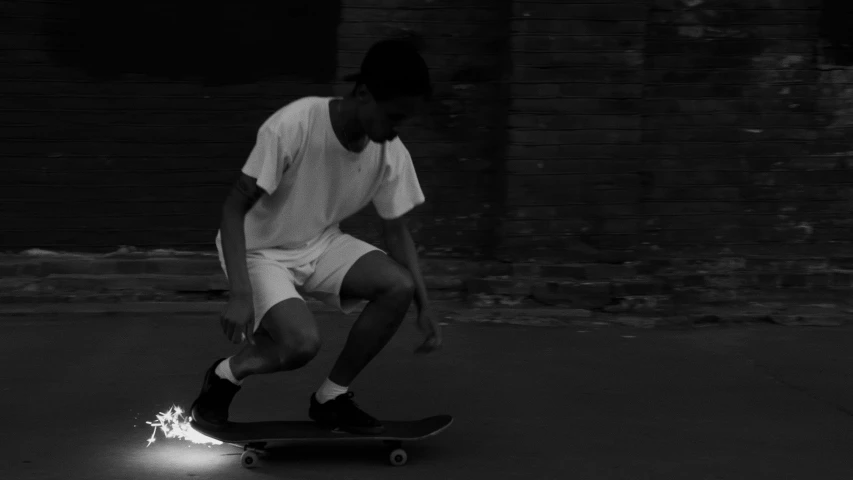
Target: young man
x=316, y=162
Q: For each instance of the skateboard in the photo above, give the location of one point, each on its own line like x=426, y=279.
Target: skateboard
x=255, y=437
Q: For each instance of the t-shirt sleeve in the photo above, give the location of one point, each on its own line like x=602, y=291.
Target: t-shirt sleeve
x=400, y=191
x=271, y=157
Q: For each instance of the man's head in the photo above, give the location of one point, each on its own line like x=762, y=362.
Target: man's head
x=392, y=87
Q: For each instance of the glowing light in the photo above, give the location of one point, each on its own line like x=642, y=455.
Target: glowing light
x=175, y=425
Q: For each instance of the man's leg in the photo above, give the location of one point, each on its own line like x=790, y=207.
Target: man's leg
x=389, y=288
x=286, y=338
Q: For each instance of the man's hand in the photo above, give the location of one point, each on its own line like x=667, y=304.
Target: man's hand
x=238, y=320
x=429, y=326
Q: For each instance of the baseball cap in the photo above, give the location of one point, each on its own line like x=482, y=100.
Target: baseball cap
x=391, y=68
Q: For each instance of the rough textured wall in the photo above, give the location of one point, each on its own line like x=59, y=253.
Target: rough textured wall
x=742, y=157
x=458, y=150
x=135, y=140
x=126, y=126
x=679, y=127
x=666, y=127
x=832, y=167
x=575, y=128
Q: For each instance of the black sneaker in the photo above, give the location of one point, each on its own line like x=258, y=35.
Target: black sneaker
x=342, y=413
x=210, y=409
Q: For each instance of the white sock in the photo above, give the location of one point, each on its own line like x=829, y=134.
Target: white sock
x=223, y=370
x=329, y=390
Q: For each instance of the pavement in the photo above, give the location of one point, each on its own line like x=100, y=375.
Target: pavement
x=593, y=400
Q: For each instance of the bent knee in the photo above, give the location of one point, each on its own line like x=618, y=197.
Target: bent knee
x=401, y=284
x=292, y=328
x=306, y=347
x=299, y=349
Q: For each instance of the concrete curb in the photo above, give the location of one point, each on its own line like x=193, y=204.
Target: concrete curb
x=454, y=312
x=484, y=292
x=645, y=288
x=170, y=308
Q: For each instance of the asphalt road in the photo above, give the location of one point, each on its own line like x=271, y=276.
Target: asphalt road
x=759, y=402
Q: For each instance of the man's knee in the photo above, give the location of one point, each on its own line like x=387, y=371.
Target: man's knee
x=398, y=291
x=400, y=285
x=300, y=350
x=291, y=326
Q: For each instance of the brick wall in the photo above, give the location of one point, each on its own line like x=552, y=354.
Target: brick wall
x=740, y=157
x=565, y=130
x=135, y=140
x=575, y=128
x=127, y=126
x=679, y=128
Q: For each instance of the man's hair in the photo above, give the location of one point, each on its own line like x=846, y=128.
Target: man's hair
x=394, y=68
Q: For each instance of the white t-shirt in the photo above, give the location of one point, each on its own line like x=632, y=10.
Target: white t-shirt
x=314, y=183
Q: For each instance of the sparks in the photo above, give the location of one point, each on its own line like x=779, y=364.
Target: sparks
x=175, y=425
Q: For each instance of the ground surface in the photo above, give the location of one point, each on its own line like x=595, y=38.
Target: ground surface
x=757, y=402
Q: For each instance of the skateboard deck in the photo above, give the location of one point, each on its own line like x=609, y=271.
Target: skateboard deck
x=254, y=437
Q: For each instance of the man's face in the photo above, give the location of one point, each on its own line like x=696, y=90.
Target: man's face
x=381, y=120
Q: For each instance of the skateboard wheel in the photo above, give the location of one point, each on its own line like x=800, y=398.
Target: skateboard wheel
x=398, y=457
x=249, y=459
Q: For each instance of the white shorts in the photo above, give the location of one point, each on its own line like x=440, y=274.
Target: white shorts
x=273, y=281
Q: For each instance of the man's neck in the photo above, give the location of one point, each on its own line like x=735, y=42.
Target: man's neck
x=353, y=136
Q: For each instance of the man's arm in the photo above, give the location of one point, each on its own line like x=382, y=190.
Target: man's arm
x=242, y=197
x=401, y=248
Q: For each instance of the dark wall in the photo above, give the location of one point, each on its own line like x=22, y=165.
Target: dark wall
x=575, y=123
x=125, y=126
x=560, y=129
x=742, y=156
x=836, y=18
x=680, y=127
x=221, y=42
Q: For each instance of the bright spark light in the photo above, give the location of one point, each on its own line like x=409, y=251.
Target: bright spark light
x=175, y=425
